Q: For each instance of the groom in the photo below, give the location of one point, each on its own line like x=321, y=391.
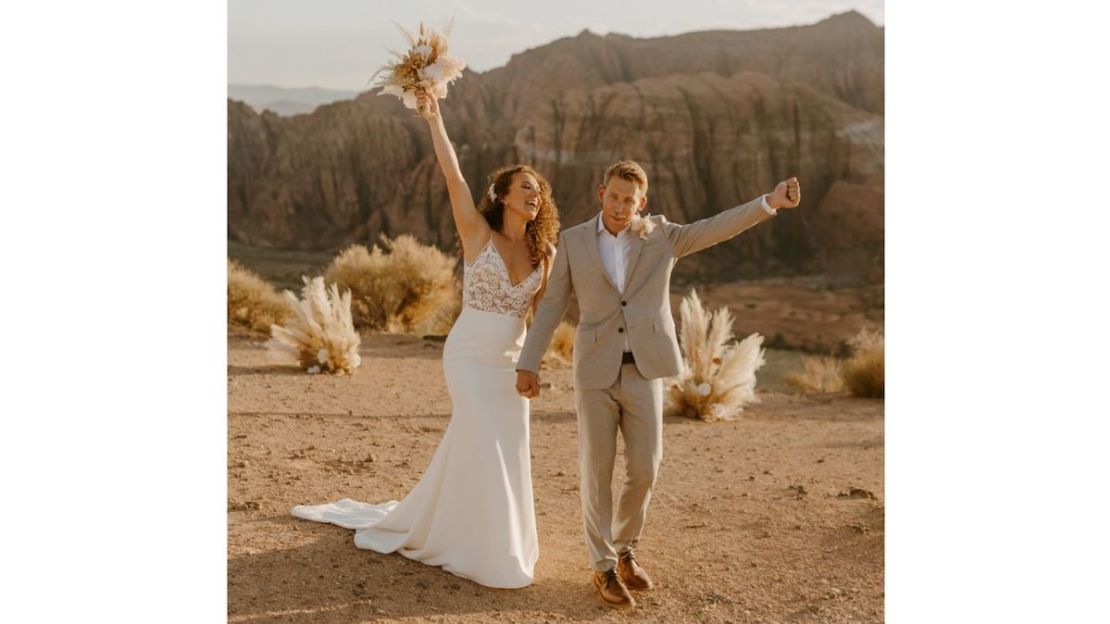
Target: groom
x=619, y=265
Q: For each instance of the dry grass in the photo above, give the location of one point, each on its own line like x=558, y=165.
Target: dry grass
x=410, y=289
x=864, y=373
x=253, y=303
x=819, y=375
x=440, y=322
x=560, y=350
x=719, y=375
x=320, y=336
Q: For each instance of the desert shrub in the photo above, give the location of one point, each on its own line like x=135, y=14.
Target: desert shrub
x=319, y=336
x=412, y=288
x=440, y=322
x=561, y=348
x=253, y=303
x=864, y=371
x=819, y=375
x=719, y=375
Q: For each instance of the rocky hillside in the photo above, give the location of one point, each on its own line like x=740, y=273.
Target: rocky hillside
x=715, y=118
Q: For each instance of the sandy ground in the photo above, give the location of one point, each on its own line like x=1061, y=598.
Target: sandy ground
x=796, y=313
x=777, y=517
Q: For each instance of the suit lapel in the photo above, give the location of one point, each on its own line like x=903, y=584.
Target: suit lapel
x=635, y=246
x=590, y=241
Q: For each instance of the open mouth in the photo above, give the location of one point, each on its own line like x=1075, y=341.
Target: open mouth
x=534, y=204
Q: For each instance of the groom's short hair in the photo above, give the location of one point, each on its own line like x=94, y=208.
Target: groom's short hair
x=629, y=170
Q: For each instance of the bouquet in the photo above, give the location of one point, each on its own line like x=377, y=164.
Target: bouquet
x=424, y=67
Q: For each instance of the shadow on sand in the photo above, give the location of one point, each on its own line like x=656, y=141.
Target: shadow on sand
x=330, y=580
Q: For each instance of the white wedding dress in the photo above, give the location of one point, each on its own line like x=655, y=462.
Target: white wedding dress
x=472, y=511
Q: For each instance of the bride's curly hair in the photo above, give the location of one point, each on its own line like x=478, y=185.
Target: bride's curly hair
x=542, y=232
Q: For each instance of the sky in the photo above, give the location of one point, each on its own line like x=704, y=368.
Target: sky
x=339, y=44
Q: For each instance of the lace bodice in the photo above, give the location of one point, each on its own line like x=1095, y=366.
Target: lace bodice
x=487, y=287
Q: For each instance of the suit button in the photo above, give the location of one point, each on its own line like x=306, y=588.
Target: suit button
x=620, y=330
x=624, y=303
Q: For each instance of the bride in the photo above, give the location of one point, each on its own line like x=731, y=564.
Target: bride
x=472, y=511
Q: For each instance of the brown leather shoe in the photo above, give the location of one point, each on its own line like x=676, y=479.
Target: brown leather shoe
x=612, y=591
x=632, y=575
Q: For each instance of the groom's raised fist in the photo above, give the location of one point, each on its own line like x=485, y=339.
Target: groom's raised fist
x=787, y=194
x=527, y=384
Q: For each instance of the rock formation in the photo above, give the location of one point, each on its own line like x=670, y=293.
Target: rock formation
x=715, y=117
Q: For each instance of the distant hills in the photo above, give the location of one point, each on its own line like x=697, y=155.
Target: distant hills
x=285, y=101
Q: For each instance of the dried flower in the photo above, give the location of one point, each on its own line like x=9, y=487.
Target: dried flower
x=718, y=379
x=642, y=225
x=424, y=67
x=319, y=335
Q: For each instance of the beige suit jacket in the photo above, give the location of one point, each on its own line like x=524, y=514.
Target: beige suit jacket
x=644, y=308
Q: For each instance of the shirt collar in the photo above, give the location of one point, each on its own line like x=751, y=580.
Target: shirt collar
x=601, y=228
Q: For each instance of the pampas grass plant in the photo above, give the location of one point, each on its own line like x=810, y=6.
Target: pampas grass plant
x=864, y=372
x=411, y=289
x=719, y=376
x=319, y=337
x=253, y=303
x=819, y=375
x=561, y=348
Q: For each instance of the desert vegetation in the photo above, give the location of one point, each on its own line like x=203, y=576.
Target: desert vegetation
x=861, y=374
x=253, y=304
x=719, y=375
x=319, y=337
x=401, y=287
x=864, y=372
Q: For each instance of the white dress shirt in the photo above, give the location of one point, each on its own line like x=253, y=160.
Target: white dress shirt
x=614, y=253
x=614, y=257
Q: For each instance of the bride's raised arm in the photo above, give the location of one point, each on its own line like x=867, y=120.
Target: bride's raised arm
x=473, y=229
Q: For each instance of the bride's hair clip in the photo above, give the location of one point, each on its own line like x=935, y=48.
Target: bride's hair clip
x=492, y=195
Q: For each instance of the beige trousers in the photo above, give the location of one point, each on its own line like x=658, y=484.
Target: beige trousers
x=635, y=406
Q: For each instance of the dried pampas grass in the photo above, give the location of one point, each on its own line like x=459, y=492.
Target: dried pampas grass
x=819, y=375
x=864, y=372
x=411, y=289
x=319, y=337
x=425, y=66
x=253, y=304
x=561, y=348
x=719, y=376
